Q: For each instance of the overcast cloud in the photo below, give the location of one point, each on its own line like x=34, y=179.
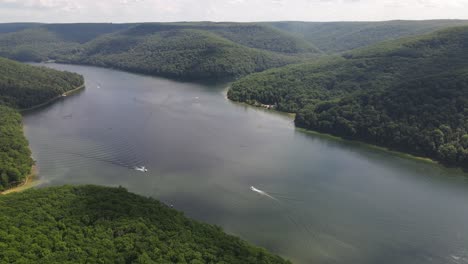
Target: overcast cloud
x=228, y=10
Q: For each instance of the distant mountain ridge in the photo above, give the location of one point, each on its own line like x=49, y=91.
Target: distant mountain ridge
x=332, y=37
x=202, y=49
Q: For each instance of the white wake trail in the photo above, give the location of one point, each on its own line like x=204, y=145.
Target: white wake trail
x=262, y=193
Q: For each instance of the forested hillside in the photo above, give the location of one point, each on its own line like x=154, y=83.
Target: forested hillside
x=253, y=35
x=198, y=50
x=23, y=86
x=14, y=27
x=15, y=156
x=183, y=53
x=91, y=224
x=332, y=37
x=177, y=50
x=409, y=95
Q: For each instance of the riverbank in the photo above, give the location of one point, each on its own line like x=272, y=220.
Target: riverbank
x=367, y=145
x=267, y=108
x=68, y=93
x=337, y=138
x=30, y=181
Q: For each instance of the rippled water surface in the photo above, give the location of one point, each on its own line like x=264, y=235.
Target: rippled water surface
x=328, y=201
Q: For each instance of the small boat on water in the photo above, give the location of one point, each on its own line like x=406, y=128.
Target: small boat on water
x=142, y=169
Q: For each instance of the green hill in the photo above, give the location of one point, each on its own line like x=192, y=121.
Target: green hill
x=334, y=37
x=410, y=95
x=23, y=86
x=198, y=50
x=177, y=50
x=253, y=35
x=91, y=224
x=14, y=27
x=186, y=53
x=34, y=44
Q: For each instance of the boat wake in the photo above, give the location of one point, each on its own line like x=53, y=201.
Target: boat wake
x=262, y=193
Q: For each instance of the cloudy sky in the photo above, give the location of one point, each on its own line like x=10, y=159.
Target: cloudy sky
x=228, y=10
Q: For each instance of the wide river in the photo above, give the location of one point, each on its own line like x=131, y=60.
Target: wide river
x=328, y=201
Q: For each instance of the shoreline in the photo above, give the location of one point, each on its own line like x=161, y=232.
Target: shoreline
x=271, y=110
x=358, y=142
x=70, y=92
x=30, y=181
x=374, y=147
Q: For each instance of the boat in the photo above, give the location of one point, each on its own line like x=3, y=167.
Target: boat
x=142, y=169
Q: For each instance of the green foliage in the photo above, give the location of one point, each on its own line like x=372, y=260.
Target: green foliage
x=83, y=32
x=24, y=86
x=15, y=156
x=34, y=44
x=91, y=224
x=253, y=35
x=183, y=53
x=409, y=95
x=176, y=50
x=14, y=27
x=334, y=37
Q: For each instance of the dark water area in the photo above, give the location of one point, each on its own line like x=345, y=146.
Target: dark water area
x=327, y=201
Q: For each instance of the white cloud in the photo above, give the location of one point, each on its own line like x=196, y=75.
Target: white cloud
x=227, y=10
x=43, y=4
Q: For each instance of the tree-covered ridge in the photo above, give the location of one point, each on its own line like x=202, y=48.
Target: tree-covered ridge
x=253, y=35
x=23, y=86
x=15, y=156
x=409, y=95
x=178, y=50
x=83, y=32
x=90, y=224
x=14, y=27
x=334, y=37
x=182, y=53
x=34, y=44
x=202, y=49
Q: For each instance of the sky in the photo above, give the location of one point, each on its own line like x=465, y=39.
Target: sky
x=66, y=11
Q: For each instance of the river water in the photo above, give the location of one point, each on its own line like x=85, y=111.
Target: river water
x=328, y=201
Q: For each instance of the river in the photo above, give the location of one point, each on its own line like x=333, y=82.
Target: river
x=329, y=201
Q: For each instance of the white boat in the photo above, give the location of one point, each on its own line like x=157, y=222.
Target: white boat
x=142, y=169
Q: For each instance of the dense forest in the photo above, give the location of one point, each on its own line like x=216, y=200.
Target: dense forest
x=409, y=94
x=198, y=50
x=190, y=54
x=15, y=156
x=176, y=50
x=332, y=37
x=23, y=86
x=90, y=224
